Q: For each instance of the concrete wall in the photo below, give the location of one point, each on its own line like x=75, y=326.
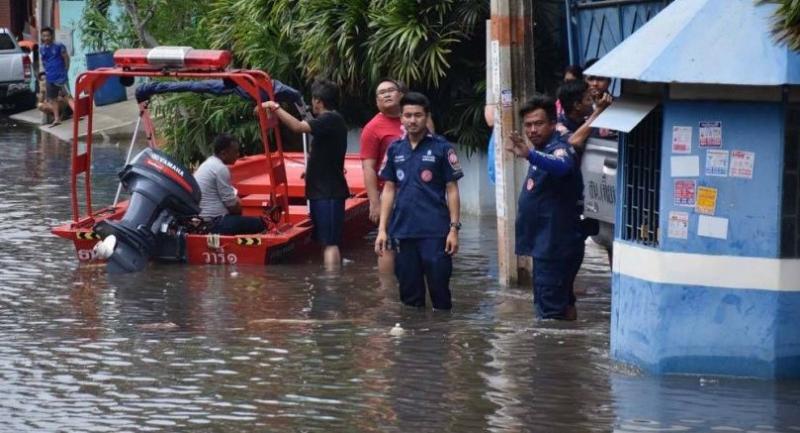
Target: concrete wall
x=724, y=305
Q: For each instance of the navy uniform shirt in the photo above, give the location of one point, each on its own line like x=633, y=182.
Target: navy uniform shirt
x=420, y=176
x=548, y=218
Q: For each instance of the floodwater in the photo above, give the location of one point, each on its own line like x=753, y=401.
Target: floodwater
x=290, y=348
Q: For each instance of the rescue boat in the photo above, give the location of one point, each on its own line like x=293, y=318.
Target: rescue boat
x=159, y=221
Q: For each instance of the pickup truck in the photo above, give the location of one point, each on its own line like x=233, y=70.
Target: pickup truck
x=599, y=169
x=16, y=74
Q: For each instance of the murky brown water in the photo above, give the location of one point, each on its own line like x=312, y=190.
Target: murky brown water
x=291, y=348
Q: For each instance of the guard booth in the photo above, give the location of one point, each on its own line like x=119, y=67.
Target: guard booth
x=706, y=275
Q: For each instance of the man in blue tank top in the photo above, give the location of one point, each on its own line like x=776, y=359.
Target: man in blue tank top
x=548, y=219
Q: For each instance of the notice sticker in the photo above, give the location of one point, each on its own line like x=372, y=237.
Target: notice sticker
x=684, y=192
x=706, y=200
x=711, y=134
x=712, y=227
x=681, y=139
x=742, y=164
x=716, y=162
x=685, y=166
x=678, y=225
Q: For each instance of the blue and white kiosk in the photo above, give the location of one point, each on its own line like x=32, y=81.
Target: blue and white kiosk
x=706, y=266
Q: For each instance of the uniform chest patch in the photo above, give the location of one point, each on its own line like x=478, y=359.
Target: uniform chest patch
x=452, y=158
x=530, y=184
x=426, y=175
x=429, y=157
x=399, y=158
x=560, y=153
x=401, y=175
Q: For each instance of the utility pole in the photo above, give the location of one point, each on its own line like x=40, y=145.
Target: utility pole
x=511, y=76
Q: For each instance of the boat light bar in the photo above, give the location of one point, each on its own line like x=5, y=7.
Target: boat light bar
x=172, y=57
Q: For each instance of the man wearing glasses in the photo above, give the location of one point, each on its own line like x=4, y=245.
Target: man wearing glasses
x=376, y=137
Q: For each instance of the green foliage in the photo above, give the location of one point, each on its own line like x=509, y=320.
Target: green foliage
x=189, y=122
x=99, y=32
x=786, y=25
x=435, y=46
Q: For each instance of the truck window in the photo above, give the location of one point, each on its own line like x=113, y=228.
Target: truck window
x=6, y=43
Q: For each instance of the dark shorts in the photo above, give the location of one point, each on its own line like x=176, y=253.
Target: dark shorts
x=328, y=218
x=238, y=225
x=53, y=90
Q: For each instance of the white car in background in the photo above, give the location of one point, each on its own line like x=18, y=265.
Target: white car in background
x=16, y=74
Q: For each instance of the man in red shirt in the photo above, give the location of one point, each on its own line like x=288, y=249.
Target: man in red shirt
x=376, y=137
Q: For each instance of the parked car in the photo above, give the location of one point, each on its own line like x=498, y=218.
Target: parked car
x=599, y=169
x=16, y=74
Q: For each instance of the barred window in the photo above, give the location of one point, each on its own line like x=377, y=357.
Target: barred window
x=641, y=185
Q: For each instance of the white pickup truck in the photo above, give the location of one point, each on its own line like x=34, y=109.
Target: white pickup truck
x=16, y=74
x=599, y=168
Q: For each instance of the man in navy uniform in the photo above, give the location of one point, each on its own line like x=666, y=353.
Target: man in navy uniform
x=420, y=207
x=548, y=219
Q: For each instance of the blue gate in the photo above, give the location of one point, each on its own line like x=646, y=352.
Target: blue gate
x=595, y=27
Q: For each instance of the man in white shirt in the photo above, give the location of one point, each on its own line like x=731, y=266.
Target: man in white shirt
x=218, y=197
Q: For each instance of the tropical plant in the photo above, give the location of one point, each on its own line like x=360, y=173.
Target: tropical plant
x=99, y=31
x=435, y=46
x=786, y=26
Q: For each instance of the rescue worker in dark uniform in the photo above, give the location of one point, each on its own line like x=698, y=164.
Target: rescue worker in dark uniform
x=548, y=219
x=420, y=207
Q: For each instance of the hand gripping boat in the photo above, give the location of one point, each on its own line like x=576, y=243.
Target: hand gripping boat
x=159, y=221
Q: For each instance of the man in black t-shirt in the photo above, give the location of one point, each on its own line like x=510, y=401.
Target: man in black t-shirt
x=326, y=186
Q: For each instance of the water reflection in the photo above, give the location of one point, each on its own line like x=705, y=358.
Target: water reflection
x=292, y=348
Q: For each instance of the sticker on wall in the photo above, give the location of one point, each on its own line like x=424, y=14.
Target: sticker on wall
x=717, y=162
x=678, y=225
x=685, y=166
x=712, y=227
x=684, y=192
x=681, y=139
x=710, y=134
x=706, y=200
x=742, y=164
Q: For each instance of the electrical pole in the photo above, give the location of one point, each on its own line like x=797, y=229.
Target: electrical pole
x=510, y=74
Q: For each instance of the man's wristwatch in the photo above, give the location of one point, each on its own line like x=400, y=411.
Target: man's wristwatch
x=456, y=226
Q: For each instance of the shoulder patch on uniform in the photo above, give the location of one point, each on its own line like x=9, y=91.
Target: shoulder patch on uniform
x=452, y=158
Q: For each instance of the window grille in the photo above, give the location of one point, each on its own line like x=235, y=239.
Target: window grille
x=641, y=184
x=790, y=208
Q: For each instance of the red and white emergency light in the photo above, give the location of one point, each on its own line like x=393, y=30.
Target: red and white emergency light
x=172, y=57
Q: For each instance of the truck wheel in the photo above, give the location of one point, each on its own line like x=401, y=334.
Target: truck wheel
x=26, y=101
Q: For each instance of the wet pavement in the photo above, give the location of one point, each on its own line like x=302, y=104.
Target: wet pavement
x=292, y=348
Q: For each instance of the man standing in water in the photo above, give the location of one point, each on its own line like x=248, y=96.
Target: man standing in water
x=548, y=218
x=376, y=137
x=326, y=186
x=420, y=207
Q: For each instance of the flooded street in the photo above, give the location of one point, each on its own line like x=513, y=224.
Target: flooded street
x=291, y=348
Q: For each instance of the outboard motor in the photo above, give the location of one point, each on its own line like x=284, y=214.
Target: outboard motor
x=160, y=190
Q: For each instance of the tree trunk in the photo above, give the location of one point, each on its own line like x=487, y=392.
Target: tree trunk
x=140, y=20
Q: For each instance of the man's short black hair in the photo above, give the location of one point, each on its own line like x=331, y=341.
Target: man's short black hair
x=571, y=93
x=223, y=141
x=48, y=29
x=416, y=98
x=538, y=101
x=575, y=70
x=327, y=92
